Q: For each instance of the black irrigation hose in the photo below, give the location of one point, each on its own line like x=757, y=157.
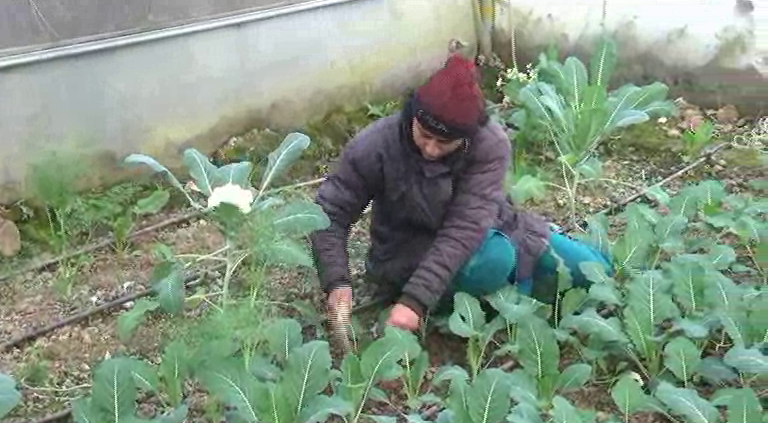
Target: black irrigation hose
x=63, y=414
x=110, y=240
x=610, y=210
x=190, y=281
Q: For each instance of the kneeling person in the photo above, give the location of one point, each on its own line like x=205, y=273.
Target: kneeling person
x=442, y=221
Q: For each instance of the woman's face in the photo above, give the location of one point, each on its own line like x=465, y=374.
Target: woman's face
x=431, y=146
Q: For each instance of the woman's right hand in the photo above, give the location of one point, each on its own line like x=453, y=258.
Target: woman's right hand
x=339, y=314
x=339, y=297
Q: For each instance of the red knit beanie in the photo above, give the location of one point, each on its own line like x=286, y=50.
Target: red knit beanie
x=451, y=102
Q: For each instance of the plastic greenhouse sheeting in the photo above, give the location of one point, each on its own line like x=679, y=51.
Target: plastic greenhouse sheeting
x=38, y=24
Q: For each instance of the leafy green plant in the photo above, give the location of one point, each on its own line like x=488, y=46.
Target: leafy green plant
x=255, y=224
x=538, y=386
x=672, y=301
x=666, y=313
x=574, y=110
x=695, y=139
x=116, y=386
x=53, y=181
x=125, y=223
x=94, y=213
x=468, y=321
x=381, y=110
x=70, y=271
x=379, y=362
x=36, y=368
x=485, y=398
x=294, y=394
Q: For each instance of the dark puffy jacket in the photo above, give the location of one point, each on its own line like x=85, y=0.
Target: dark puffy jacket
x=428, y=217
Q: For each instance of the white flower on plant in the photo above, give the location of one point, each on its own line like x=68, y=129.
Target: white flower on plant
x=231, y=194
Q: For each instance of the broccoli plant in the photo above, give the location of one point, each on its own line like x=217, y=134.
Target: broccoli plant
x=256, y=224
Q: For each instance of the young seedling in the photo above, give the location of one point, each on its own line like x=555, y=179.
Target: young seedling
x=123, y=225
x=695, y=139
x=116, y=385
x=379, y=362
x=671, y=298
x=468, y=321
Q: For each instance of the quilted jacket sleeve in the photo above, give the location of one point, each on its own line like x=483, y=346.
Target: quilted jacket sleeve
x=475, y=207
x=343, y=196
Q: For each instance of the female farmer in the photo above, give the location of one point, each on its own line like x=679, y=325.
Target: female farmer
x=441, y=220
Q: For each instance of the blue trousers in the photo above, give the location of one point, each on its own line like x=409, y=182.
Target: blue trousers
x=493, y=266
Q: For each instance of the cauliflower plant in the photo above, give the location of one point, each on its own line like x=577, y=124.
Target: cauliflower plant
x=231, y=194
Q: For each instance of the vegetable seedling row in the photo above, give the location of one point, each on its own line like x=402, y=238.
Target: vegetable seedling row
x=110, y=240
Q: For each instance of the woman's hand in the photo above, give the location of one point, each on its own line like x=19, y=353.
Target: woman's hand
x=339, y=297
x=404, y=318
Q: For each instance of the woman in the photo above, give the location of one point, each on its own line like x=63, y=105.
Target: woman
x=441, y=220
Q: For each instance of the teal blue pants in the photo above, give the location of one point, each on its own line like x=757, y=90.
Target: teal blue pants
x=493, y=266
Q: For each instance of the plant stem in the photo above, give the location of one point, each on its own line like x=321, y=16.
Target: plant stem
x=227, y=275
x=50, y=222
x=472, y=356
x=613, y=181
x=572, y=196
x=210, y=256
x=62, y=231
x=656, y=259
x=219, y=309
x=757, y=265
x=255, y=289
x=639, y=363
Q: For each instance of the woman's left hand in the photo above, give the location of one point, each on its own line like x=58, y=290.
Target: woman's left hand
x=404, y=318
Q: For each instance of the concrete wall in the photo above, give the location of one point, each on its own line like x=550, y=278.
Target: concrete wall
x=710, y=52
x=161, y=95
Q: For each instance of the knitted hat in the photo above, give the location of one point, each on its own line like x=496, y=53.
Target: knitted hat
x=451, y=104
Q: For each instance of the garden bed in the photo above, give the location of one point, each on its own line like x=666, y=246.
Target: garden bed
x=58, y=367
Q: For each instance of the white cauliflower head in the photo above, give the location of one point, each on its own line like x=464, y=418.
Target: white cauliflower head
x=231, y=194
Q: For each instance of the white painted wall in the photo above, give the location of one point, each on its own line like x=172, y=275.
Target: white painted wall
x=761, y=34
x=705, y=42
x=683, y=33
